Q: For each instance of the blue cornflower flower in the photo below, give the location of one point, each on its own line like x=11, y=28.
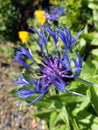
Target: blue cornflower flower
x=54, y=69
x=54, y=13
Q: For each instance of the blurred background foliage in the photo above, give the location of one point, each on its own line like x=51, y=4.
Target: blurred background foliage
x=63, y=112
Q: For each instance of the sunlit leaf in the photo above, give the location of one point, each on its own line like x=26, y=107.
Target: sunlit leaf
x=94, y=98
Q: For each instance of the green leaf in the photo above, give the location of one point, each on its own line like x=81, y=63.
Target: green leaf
x=74, y=124
x=95, y=40
x=88, y=36
x=93, y=93
x=59, y=120
x=63, y=115
x=94, y=52
x=93, y=4
x=81, y=107
x=43, y=115
x=62, y=127
x=53, y=118
x=95, y=17
x=66, y=98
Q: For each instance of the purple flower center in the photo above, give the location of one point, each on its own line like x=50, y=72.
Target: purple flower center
x=52, y=69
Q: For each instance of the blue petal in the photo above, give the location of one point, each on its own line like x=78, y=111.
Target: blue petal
x=43, y=36
x=88, y=82
x=43, y=39
x=34, y=30
x=54, y=13
x=78, y=65
x=75, y=93
x=21, y=81
x=39, y=44
x=23, y=63
x=65, y=37
x=60, y=84
x=66, y=60
x=52, y=33
x=27, y=53
x=68, y=37
x=25, y=93
x=37, y=99
x=76, y=37
x=60, y=11
x=20, y=56
x=42, y=89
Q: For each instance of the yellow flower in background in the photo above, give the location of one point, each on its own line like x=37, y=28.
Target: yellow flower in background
x=40, y=15
x=23, y=36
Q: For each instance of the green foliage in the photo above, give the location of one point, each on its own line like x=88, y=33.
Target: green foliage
x=64, y=111
x=13, y=17
x=93, y=4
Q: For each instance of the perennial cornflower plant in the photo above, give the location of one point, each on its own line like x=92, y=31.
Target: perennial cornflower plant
x=58, y=69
